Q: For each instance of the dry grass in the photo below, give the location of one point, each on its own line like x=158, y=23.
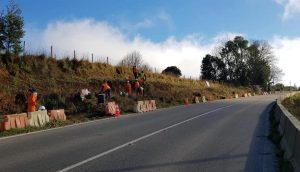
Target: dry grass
x=66, y=77
x=293, y=105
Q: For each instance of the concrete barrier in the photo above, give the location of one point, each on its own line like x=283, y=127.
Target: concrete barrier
x=38, y=118
x=57, y=115
x=289, y=128
x=12, y=121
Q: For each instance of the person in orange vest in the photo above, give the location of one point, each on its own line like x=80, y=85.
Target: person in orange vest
x=128, y=88
x=137, y=87
x=135, y=72
x=31, y=100
x=105, y=89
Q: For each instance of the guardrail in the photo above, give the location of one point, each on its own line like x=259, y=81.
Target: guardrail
x=289, y=128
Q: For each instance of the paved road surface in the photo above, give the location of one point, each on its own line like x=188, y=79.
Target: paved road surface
x=227, y=135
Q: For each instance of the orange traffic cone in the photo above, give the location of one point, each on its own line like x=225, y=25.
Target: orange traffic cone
x=118, y=112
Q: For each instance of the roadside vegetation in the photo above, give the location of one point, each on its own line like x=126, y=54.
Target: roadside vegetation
x=292, y=104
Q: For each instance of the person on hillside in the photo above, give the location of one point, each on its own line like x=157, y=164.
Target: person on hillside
x=137, y=87
x=143, y=77
x=31, y=100
x=128, y=88
x=105, y=89
x=135, y=72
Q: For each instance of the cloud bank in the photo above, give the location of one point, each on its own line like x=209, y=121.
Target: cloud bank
x=291, y=7
x=88, y=36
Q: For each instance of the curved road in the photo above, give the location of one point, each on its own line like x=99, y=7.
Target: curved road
x=227, y=135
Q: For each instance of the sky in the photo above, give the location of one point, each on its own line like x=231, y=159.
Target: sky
x=165, y=32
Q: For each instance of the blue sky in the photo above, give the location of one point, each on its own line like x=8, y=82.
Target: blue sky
x=258, y=19
x=163, y=25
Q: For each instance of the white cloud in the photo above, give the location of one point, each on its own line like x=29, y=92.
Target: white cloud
x=88, y=36
x=287, y=51
x=291, y=7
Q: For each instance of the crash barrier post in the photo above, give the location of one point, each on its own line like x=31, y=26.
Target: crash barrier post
x=144, y=106
x=289, y=128
x=38, y=118
x=57, y=115
x=12, y=121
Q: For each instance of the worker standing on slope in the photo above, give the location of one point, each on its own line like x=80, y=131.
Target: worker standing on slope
x=137, y=87
x=135, y=72
x=31, y=100
x=105, y=89
x=128, y=88
x=143, y=77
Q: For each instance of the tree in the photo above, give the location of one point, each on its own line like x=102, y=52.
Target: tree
x=172, y=70
x=212, y=68
x=279, y=87
x=12, y=31
x=133, y=58
x=2, y=38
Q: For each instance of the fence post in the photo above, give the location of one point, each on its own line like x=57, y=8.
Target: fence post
x=24, y=43
x=51, y=51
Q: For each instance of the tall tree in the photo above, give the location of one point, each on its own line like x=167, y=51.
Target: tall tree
x=2, y=37
x=13, y=30
x=133, y=58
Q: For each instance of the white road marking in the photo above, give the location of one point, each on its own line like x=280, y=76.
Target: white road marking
x=136, y=140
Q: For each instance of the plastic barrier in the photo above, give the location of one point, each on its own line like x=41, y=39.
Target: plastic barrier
x=138, y=107
x=196, y=100
x=38, y=118
x=186, y=101
x=245, y=95
x=209, y=98
x=236, y=96
x=145, y=106
x=112, y=109
x=58, y=115
x=249, y=95
x=14, y=121
x=153, y=104
x=203, y=99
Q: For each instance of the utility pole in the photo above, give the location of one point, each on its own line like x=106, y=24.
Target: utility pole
x=107, y=60
x=74, y=55
x=92, y=57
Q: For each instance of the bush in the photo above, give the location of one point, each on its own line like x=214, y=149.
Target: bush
x=54, y=101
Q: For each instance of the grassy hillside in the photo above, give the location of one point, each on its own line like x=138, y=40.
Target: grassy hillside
x=59, y=81
x=293, y=105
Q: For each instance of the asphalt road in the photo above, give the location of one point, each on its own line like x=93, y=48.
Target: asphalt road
x=229, y=135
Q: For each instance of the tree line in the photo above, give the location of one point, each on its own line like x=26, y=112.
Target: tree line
x=242, y=63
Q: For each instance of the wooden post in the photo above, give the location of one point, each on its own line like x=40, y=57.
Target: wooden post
x=74, y=54
x=107, y=60
x=24, y=48
x=51, y=51
x=92, y=57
